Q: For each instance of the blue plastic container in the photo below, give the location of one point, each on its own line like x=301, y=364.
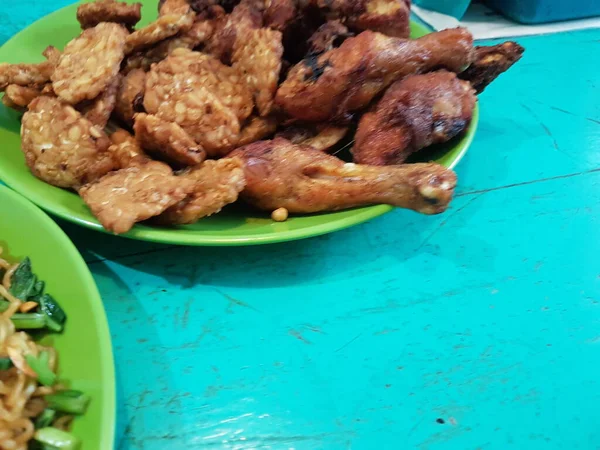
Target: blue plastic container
x=542, y=11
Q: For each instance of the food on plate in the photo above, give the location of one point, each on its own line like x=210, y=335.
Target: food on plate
x=34, y=404
x=414, y=113
x=301, y=179
x=220, y=101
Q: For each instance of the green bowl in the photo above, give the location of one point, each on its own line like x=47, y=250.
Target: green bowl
x=233, y=226
x=84, y=348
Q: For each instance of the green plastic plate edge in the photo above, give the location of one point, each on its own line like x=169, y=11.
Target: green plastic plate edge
x=52, y=232
x=183, y=236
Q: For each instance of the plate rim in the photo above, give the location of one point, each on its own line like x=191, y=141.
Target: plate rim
x=109, y=387
x=176, y=236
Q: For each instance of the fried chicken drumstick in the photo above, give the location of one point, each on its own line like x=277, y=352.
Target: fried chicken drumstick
x=301, y=179
x=347, y=78
x=414, y=113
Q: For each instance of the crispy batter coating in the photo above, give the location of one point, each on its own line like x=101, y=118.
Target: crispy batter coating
x=330, y=35
x=414, y=113
x=122, y=198
x=180, y=7
x=52, y=54
x=320, y=137
x=91, y=14
x=216, y=184
x=279, y=14
x=164, y=27
x=130, y=96
x=257, y=55
x=61, y=147
x=167, y=141
x=490, y=62
x=201, y=95
x=346, y=79
x=32, y=75
x=304, y=180
x=98, y=111
x=21, y=96
x=257, y=128
x=89, y=63
x=126, y=150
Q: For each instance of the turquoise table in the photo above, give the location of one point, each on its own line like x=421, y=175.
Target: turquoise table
x=477, y=329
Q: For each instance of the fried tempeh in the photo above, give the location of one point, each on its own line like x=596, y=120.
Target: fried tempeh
x=32, y=75
x=20, y=96
x=164, y=27
x=91, y=14
x=130, y=96
x=98, y=111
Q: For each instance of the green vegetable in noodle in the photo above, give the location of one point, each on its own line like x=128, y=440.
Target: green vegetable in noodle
x=40, y=366
x=55, y=316
x=23, y=281
x=69, y=401
x=5, y=363
x=45, y=419
x=56, y=439
x=29, y=321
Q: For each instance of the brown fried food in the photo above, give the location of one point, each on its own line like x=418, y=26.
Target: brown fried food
x=32, y=75
x=163, y=28
x=390, y=17
x=52, y=54
x=89, y=63
x=20, y=96
x=167, y=141
x=279, y=14
x=330, y=35
x=61, y=147
x=122, y=198
x=180, y=7
x=216, y=184
x=257, y=55
x=414, y=113
x=256, y=128
x=202, y=96
x=91, y=14
x=126, y=150
x=245, y=16
x=346, y=79
x=98, y=111
x=490, y=62
x=320, y=137
x=130, y=96
x=304, y=180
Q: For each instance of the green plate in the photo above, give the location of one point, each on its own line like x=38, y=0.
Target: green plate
x=84, y=348
x=234, y=226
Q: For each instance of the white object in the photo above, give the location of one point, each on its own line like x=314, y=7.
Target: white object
x=485, y=23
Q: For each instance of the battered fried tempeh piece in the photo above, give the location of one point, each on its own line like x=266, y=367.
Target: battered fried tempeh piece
x=414, y=113
x=164, y=27
x=89, y=63
x=122, y=198
x=304, y=180
x=61, y=147
x=174, y=7
x=257, y=55
x=319, y=137
x=216, y=184
x=130, y=96
x=99, y=110
x=126, y=150
x=347, y=78
x=91, y=14
x=256, y=128
x=20, y=96
x=167, y=141
x=330, y=35
x=490, y=62
x=32, y=75
x=52, y=54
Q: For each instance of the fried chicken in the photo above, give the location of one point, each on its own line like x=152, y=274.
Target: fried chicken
x=91, y=14
x=167, y=141
x=490, y=62
x=279, y=14
x=256, y=128
x=89, y=63
x=216, y=184
x=330, y=35
x=320, y=137
x=346, y=79
x=414, y=113
x=61, y=147
x=304, y=180
x=122, y=198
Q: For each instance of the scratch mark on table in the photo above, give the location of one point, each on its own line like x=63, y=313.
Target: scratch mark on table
x=234, y=301
x=546, y=130
x=349, y=342
x=299, y=336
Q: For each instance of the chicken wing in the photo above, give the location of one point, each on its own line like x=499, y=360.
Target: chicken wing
x=91, y=14
x=216, y=184
x=122, y=198
x=490, y=62
x=304, y=180
x=414, y=113
x=61, y=147
x=346, y=79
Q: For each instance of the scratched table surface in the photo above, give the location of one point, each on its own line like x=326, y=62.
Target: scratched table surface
x=476, y=329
